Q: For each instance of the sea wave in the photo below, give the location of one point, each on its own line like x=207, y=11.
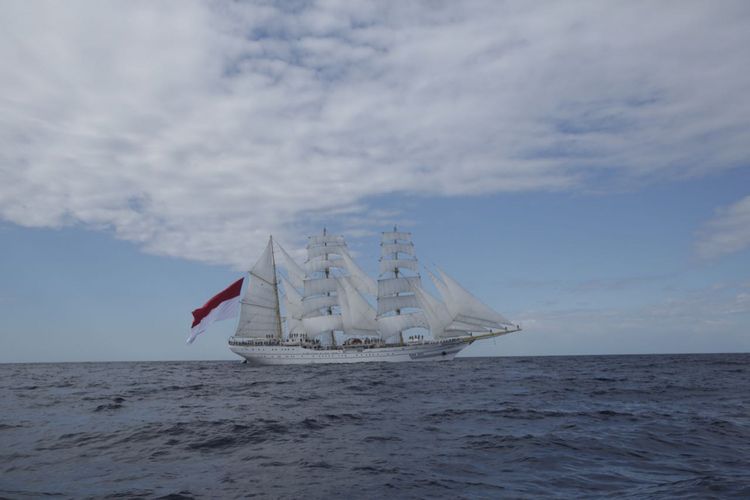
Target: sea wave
x=591, y=426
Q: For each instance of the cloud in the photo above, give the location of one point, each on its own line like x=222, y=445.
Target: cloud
x=709, y=319
x=690, y=309
x=727, y=232
x=196, y=128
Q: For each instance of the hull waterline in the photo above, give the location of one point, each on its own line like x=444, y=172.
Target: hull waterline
x=298, y=355
x=280, y=354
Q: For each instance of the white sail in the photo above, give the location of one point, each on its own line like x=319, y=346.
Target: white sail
x=435, y=312
x=467, y=308
x=395, y=291
x=444, y=292
x=333, y=307
x=265, y=268
x=390, y=326
x=314, y=304
x=396, y=235
x=294, y=325
x=293, y=305
x=477, y=324
x=320, y=264
x=358, y=315
x=320, y=324
x=293, y=270
x=458, y=327
x=290, y=290
x=394, y=302
x=392, y=286
x=322, y=250
x=259, y=312
x=292, y=300
x=395, y=248
x=358, y=277
x=316, y=286
x=325, y=239
x=388, y=265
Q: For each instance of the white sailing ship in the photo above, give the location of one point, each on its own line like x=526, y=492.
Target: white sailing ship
x=322, y=311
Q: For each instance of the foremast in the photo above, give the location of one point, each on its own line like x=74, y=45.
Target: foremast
x=260, y=313
x=279, y=331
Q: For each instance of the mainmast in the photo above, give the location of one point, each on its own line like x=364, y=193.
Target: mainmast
x=328, y=275
x=395, y=288
x=398, y=294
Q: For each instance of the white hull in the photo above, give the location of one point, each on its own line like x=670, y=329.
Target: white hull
x=298, y=355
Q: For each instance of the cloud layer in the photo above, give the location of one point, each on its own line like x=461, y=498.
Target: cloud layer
x=727, y=232
x=708, y=319
x=196, y=128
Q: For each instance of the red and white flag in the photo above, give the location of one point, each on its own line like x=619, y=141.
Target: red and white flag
x=223, y=305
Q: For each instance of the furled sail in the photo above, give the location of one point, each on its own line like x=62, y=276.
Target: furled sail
x=259, y=312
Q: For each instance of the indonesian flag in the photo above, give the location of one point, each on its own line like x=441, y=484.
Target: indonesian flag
x=223, y=305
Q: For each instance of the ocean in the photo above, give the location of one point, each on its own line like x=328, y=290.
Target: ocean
x=655, y=426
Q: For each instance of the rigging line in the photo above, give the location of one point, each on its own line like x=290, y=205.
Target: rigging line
x=263, y=279
x=257, y=305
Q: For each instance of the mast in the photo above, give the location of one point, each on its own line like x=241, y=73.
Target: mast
x=318, y=298
x=259, y=310
x=395, y=272
x=328, y=275
x=334, y=291
x=279, y=334
x=395, y=288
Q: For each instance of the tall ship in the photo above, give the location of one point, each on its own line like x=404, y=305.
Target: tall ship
x=328, y=310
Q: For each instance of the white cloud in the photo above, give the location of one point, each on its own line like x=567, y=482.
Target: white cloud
x=728, y=232
x=195, y=129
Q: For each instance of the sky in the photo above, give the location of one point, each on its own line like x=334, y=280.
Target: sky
x=580, y=166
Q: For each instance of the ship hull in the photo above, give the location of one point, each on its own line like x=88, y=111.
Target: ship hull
x=298, y=355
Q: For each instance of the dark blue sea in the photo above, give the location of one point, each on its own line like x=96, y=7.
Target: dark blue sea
x=540, y=427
